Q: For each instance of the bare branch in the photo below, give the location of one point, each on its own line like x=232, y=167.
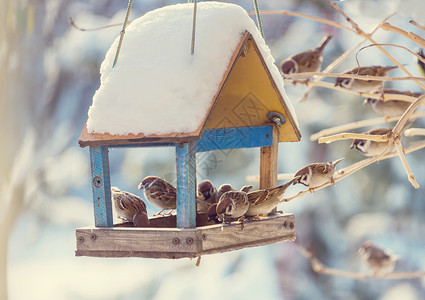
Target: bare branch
x=72, y=22
x=417, y=25
x=348, y=135
x=409, y=35
x=414, y=131
x=359, y=77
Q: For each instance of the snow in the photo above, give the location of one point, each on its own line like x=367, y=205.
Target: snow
x=157, y=86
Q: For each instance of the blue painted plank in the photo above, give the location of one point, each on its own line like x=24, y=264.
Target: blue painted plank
x=235, y=137
x=101, y=185
x=186, y=185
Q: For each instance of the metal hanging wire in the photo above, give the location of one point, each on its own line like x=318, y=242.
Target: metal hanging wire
x=192, y=49
x=130, y=2
x=257, y=13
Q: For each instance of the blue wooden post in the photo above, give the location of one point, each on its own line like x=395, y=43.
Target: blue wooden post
x=186, y=185
x=101, y=185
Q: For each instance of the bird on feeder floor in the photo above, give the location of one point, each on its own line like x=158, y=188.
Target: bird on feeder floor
x=263, y=201
x=130, y=207
x=390, y=108
x=208, y=194
x=307, y=61
x=317, y=174
x=372, y=148
x=377, y=260
x=364, y=85
x=159, y=193
x=232, y=205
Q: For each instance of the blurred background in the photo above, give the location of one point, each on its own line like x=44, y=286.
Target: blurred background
x=49, y=73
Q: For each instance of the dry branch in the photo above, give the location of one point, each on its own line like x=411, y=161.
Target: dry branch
x=359, y=124
x=348, y=135
x=320, y=268
x=409, y=35
x=417, y=25
x=409, y=172
x=343, y=75
x=414, y=131
x=282, y=176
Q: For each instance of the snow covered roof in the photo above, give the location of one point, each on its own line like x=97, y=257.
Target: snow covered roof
x=158, y=89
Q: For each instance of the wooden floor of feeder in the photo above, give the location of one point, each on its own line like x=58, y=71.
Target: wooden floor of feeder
x=161, y=241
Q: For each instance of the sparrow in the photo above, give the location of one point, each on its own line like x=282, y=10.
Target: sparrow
x=159, y=193
x=130, y=207
x=263, y=201
x=364, y=85
x=317, y=174
x=390, y=108
x=421, y=64
x=307, y=61
x=372, y=148
x=208, y=194
x=232, y=204
x=377, y=260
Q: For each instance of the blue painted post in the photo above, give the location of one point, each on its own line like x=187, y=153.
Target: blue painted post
x=101, y=185
x=186, y=185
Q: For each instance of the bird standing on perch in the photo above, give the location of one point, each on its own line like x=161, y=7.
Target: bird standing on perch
x=390, y=108
x=372, y=148
x=307, y=61
x=317, y=174
x=232, y=204
x=377, y=260
x=130, y=207
x=207, y=194
x=364, y=85
x=159, y=193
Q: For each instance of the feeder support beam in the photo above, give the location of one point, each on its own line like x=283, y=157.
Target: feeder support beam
x=268, y=162
x=101, y=185
x=186, y=184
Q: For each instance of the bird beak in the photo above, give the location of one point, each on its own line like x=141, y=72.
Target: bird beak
x=141, y=186
x=353, y=146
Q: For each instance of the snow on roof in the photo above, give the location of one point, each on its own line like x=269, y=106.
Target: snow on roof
x=157, y=86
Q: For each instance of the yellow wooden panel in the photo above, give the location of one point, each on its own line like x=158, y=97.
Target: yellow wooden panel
x=248, y=95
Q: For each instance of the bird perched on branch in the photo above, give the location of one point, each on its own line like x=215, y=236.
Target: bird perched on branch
x=307, y=61
x=390, y=108
x=317, y=174
x=130, y=207
x=421, y=64
x=159, y=193
x=263, y=201
x=372, y=148
x=377, y=260
x=364, y=85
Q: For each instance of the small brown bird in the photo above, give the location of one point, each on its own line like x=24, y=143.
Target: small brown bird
x=307, y=61
x=364, y=85
x=372, y=148
x=317, y=174
x=159, y=193
x=232, y=204
x=130, y=207
x=263, y=201
x=377, y=260
x=390, y=108
x=208, y=194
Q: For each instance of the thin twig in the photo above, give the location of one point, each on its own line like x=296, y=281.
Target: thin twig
x=320, y=268
x=409, y=35
x=344, y=75
x=296, y=14
x=414, y=131
x=394, y=45
x=359, y=124
x=72, y=22
x=282, y=176
x=409, y=172
x=349, y=135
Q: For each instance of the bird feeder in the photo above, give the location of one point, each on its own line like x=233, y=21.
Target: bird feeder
x=244, y=113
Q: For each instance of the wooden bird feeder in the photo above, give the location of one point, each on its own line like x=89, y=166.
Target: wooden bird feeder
x=240, y=115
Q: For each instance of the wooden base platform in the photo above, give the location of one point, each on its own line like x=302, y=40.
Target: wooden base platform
x=168, y=242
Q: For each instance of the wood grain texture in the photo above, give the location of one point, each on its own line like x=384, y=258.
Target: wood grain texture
x=235, y=138
x=101, y=186
x=178, y=243
x=268, y=162
x=186, y=185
